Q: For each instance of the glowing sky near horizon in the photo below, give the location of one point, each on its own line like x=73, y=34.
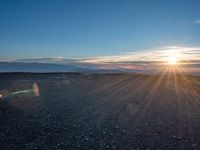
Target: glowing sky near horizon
x=100, y=31
x=160, y=55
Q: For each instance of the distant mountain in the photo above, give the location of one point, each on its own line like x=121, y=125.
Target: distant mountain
x=54, y=60
x=59, y=61
x=41, y=67
x=48, y=67
x=37, y=67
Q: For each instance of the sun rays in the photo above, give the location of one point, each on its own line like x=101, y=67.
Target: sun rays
x=150, y=60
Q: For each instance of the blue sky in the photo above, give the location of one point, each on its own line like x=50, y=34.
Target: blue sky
x=93, y=28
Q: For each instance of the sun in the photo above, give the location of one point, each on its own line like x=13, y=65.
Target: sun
x=172, y=60
x=173, y=57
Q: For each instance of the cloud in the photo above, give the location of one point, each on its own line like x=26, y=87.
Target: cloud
x=154, y=55
x=34, y=59
x=140, y=61
x=154, y=60
x=7, y=59
x=197, y=21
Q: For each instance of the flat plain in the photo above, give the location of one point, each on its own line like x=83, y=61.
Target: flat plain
x=100, y=111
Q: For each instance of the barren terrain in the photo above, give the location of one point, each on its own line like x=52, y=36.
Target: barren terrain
x=101, y=111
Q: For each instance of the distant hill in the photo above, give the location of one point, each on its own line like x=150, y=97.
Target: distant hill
x=37, y=67
x=49, y=67
x=40, y=67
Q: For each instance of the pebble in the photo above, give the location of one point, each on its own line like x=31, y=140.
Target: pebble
x=78, y=146
x=194, y=145
x=177, y=137
x=117, y=127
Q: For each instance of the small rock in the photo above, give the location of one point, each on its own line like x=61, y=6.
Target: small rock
x=177, y=137
x=117, y=127
x=194, y=145
x=78, y=146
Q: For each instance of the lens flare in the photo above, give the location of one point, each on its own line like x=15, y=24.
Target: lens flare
x=3, y=94
x=36, y=89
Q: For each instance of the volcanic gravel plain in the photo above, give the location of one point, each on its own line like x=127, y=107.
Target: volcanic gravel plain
x=100, y=111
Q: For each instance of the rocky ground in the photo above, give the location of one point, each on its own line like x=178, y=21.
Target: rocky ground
x=105, y=111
